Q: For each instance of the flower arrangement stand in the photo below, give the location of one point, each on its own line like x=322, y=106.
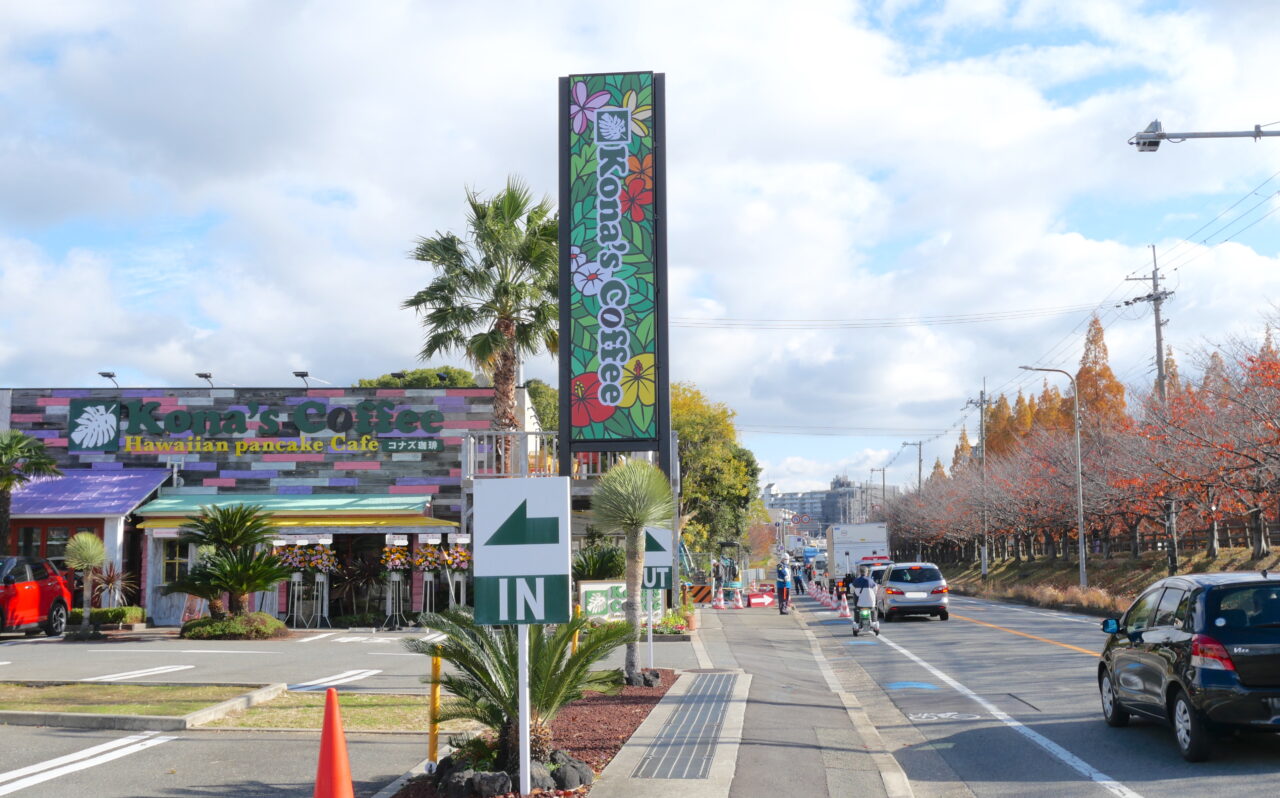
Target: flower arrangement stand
x=395, y=602
x=322, y=600
x=302, y=605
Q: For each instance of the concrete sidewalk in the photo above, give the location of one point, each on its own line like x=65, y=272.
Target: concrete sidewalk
x=790, y=727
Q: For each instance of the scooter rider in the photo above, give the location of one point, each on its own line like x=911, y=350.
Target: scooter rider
x=864, y=595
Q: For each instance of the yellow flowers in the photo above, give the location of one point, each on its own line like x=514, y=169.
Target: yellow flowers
x=638, y=378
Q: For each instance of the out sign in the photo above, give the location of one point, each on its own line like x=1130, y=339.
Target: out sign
x=522, y=551
x=657, y=558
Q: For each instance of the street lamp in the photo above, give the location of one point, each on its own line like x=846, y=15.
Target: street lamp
x=302, y=375
x=206, y=376
x=110, y=375
x=1149, y=139
x=1075, y=402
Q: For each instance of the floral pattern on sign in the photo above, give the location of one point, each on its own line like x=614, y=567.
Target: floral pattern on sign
x=611, y=211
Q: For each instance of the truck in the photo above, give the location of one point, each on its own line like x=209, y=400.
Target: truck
x=848, y=544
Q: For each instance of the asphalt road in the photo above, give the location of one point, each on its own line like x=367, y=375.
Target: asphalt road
x=954, y=680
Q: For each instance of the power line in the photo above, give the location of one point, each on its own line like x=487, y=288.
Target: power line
x=878, y=322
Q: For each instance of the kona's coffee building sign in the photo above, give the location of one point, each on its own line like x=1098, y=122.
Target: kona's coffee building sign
x=359, y=467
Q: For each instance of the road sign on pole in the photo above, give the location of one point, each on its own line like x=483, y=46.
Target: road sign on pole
x=658, y=558
x=522, y=551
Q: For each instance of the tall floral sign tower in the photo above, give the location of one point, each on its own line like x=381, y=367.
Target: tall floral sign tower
x=613, y=267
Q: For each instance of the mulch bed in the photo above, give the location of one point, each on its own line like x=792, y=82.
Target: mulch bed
x=592, y=729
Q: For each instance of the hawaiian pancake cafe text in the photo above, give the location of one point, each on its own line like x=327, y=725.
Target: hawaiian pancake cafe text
x=136, y=444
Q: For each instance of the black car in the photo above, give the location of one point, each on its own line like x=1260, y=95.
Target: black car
x=1201, y=652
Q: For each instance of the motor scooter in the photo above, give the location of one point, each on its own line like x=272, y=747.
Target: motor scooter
x=863, y=621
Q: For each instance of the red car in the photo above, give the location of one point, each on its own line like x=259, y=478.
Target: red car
x=33, y=596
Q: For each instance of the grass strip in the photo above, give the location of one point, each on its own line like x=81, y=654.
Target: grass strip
x=360, y=712
x=114, y=699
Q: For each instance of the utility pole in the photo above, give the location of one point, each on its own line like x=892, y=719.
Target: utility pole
x=919, y=462
x=873, y=473
x=982, y=405
x=1156, y=298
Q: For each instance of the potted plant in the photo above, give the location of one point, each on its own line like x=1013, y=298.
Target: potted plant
x=690, y=614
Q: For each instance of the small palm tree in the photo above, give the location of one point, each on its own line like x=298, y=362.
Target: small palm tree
x=85, y=553
x=486, y=685
x=240, y=573
x=599, y=562
x=494, y=294
x=200, y=582
x=630, y=497
x=228, y=528
x=22, y=458
x=235, y=564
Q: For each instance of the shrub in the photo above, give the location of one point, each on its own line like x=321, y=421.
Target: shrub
x=599, y=562
x=103, y=615
x=252, y=626
x=357, y=619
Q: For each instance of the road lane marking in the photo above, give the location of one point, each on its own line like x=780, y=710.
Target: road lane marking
x=316, y=637
x=333, y=681
x=1071, y=760
x=138, y=673
x=1024, y=634
x=45, y=771
x=1057, y=616
x=392, y=654
x=181, y=651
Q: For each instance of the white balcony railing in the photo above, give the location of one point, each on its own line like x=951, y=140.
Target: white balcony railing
x=492, y=454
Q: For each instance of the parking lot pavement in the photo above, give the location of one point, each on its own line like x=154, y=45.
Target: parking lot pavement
x=55, y=763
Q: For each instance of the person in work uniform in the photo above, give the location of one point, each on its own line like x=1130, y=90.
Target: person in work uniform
x=863, y=594
x=782, y=587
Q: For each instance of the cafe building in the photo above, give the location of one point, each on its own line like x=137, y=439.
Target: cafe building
x=349, y=474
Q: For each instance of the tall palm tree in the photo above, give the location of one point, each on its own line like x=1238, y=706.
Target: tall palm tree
x=494, y=294
x=630, y=497
x=85, y=553
x=22, y=458
x=485, y=684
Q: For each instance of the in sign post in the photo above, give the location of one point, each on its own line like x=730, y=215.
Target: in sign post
x=522, y=568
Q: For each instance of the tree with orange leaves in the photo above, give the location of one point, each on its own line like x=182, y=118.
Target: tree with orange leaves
x=1101, y=394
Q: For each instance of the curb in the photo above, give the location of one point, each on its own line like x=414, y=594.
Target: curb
x=89, y=720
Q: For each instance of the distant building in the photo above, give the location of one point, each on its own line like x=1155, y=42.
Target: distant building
x=845, y=502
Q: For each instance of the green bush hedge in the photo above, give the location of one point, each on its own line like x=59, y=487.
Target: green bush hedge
x=358, y=619
x=254, y=626
x=109, y=615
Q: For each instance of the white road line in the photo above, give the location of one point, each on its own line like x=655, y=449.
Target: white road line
x=6, y=663
x=138, y=673
x=180, y=651
x=333, y=681
x=1066, y=757
x=381, y=654
x=1056, y=616
x=433, y=637
x=316, y=637
x=45, y=771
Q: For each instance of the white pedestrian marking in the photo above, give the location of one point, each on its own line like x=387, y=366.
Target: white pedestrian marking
x=114, y=677
x=433, y=637
x=6, y=663
x=89, y=757
x=316, y=637
x=1071, y=760
x=333, y=681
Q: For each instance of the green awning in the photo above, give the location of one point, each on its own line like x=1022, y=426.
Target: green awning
x=292, y=504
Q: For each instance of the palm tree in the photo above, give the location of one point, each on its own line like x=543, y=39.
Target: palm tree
x=200, y=582
x=494, y=295
x=235, y=565
x=630, y=497
x=22, y=458
x=486, y=685
x=85, y=553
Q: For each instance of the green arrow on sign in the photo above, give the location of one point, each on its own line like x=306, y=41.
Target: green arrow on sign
x=521, y=530
x=651, y=543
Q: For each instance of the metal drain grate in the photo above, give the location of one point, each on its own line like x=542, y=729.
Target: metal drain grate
x=686, y=744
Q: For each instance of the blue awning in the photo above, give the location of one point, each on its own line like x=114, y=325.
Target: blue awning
x=87, y=493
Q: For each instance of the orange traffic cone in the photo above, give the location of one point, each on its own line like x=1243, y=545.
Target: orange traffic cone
x=333, y=773
x=718, y=602
x=737, y=600
x=844, y=608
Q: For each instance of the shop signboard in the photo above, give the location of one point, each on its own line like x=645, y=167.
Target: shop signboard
x=602, y=601
x=612, y=258
x=522, y=550
x=657, y=558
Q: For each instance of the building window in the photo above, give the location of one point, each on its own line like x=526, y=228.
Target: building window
x=55, y=544
x=175, y=560
x=29, y=541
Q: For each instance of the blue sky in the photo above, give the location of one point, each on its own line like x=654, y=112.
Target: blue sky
x=234, y=186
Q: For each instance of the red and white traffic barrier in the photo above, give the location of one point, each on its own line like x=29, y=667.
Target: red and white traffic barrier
x=844, y=608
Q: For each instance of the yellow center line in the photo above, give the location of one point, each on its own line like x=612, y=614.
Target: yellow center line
x=1024, y=634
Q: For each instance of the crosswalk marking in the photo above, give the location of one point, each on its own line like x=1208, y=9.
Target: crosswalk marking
x=115, y=677
x=333, y=681
x=316, y=637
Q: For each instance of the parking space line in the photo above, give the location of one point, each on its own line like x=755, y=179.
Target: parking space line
x=89, y=757
x=316, y=637
x=1024, y=634
x=115, y=677
x=1058, y=752
x=333, y=681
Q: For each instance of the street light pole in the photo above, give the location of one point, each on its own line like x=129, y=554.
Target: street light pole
x=1080, y=535
x=1149, y=139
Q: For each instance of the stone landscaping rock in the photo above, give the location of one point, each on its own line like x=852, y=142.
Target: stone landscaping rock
x=491, y=784
x=443, y=768
x=570, y=773
x=539, y=778
x=458, y=784
x=651, y=678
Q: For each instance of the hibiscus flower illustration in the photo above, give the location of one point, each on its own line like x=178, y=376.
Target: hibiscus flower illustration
x=585, y=407
x=638, y=380
x=588, y=278
x=582, y=109
x=642, y=168
x=634, y=197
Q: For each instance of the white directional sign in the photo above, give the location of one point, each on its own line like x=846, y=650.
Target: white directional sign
x=522, y=550
x=658, y=559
